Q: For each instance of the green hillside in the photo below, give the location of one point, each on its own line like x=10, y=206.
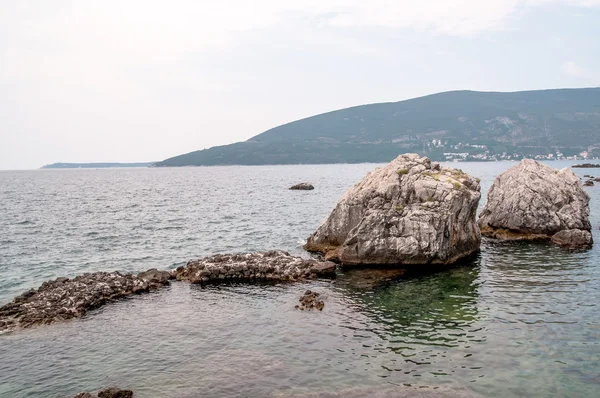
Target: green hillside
x=484, y=125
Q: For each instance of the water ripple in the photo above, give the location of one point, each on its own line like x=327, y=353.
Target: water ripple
x=518, y=320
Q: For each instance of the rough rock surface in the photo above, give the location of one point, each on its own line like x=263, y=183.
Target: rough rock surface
x=310, y=300
x=576, y=238
x=111, y=392
x=271, y=265
x=532, y=201
x=304, y=186
x=410, y=211
x=65, y=298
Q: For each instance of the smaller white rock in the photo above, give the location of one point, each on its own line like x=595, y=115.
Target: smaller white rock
x=533, y=201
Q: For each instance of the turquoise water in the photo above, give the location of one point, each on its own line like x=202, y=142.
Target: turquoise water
x=516, y=320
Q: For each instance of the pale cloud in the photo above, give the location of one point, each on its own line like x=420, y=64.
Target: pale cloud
x=571, y=69
x=455, y=18
x=95, y=41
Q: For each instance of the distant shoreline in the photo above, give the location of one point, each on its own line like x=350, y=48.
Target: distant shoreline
x=105, y=165
x=95, y=165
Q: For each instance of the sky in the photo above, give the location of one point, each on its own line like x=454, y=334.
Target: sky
x=144, y=80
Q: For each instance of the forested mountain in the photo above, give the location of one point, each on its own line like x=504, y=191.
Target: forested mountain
x=465, y=124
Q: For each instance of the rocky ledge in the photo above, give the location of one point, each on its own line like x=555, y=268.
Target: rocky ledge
x=267, y=266
x=532, y=201
x=411, y=211
x=65, y=298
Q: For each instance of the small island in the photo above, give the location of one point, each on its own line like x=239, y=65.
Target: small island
x=586, y=166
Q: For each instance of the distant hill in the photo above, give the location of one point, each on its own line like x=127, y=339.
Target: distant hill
x=465, y=124
x=94, y=165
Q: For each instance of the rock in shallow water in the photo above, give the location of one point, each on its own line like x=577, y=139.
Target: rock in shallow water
x=270, y=265
x=111, y=392
x=310, y=300
x=304, y=186
x=65, y=298
x=532, y=201
x=406, y=391
x=411, y=211
x=573, y=238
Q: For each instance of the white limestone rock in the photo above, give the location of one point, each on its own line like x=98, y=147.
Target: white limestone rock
x=410, y=211
x=533, y=201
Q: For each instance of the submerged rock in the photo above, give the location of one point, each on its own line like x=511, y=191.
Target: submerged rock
x=65, y=298
x=271, y=265
x=310, y=300
x=588, y=184
x=532, y=201
x=411, y=211
x=111, y=392
x=384, y=391
x=115, y=393
x=304, y=186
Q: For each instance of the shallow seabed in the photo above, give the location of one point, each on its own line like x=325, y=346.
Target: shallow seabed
x=516, y=320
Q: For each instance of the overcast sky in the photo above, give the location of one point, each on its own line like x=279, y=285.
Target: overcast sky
x=143, y=80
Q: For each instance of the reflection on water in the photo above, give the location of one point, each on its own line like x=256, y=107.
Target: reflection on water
x=494, y=327
x=518, y=320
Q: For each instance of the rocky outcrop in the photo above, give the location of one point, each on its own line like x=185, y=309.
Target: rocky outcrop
x=532, y=201
x=310, y=300
x=588, y=183
x=411, y=211
x=65, y=298
x=268, y=266
x=304, y=186
x=111, y=392
x=586, y=166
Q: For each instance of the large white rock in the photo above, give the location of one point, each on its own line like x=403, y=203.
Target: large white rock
x=408, y=212
x=533, y=201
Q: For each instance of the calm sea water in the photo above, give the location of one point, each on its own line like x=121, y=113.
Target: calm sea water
x=518, y=320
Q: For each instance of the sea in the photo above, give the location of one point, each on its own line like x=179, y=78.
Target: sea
x=517, y=320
